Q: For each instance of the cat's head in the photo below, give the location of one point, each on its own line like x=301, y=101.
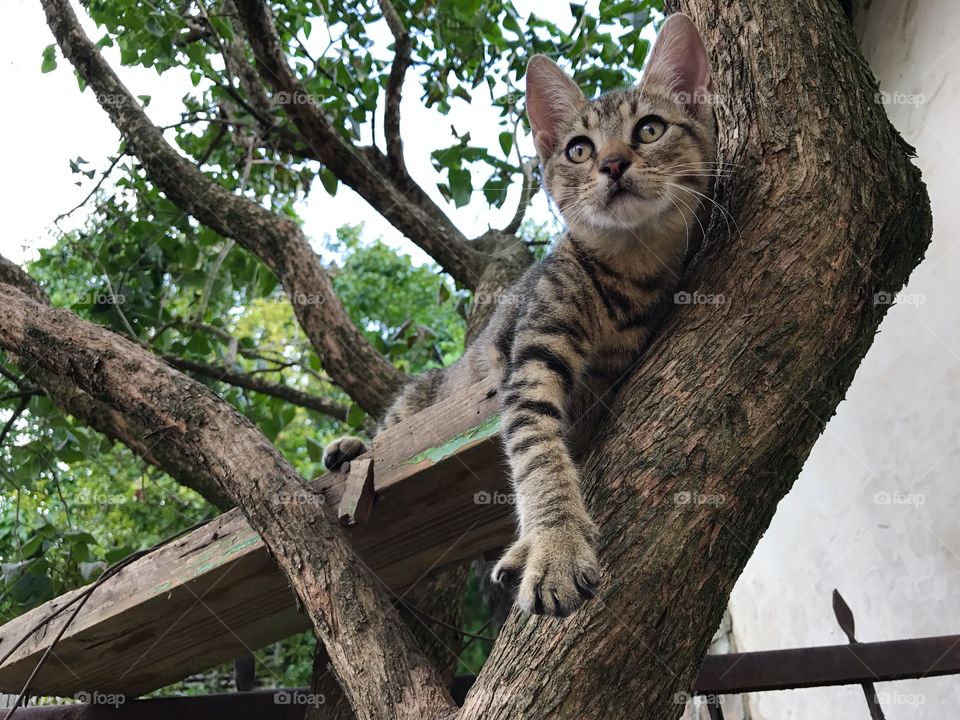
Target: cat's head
x=631, y=157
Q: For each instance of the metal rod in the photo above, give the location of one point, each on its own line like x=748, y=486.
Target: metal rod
x=829, y=665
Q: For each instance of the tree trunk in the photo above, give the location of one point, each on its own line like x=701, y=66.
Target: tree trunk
x=714, y=425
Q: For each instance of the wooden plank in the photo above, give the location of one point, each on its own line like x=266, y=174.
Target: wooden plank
x=202, y=599
x=358, y=493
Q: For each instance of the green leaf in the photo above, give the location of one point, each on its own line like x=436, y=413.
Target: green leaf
x=506, y=142
x=49, y=59
x=443, y=293
x=356, y=416
x=511, y=24
x=152, y=26
x=329, y=180
x=222, y=26
x=461, y=186
x=33, y=546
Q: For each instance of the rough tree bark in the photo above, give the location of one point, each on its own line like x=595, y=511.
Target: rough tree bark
x=826, y=210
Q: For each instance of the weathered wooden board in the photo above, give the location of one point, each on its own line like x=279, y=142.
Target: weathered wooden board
x=200, y=600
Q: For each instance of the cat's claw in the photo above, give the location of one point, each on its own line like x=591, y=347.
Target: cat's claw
x=553, y=572
x=341, y=451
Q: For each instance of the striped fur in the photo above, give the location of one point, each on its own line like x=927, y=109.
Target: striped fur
x=573, y=326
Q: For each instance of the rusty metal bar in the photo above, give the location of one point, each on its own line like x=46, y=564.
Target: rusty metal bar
x=829, y=665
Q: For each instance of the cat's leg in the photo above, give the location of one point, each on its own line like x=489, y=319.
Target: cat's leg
x=416, y=395
x=553, y=564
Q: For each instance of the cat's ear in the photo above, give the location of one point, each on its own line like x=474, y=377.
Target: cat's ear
x=679, y=63
x=551, y=98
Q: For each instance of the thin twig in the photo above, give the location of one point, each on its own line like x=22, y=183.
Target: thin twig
x=256, y=384
x=106, y=174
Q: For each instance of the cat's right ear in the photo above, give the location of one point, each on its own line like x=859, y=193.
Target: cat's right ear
x=551, y=98
x=680, y=64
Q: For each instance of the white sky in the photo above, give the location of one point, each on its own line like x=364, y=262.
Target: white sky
x=52, y=122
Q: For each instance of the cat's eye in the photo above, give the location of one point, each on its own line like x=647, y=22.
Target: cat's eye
x=649, y=129
x=579, y=150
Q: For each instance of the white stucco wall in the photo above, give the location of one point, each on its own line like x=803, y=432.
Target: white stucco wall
x=876, y=511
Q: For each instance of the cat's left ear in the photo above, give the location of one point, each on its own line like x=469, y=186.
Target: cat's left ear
x=680, y=64
x=551, y=98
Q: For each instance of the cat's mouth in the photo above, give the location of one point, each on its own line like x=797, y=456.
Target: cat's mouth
x=626, y=204
x=619, y=193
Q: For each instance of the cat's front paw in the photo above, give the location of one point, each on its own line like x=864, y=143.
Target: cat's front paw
x=554, y=571
x=342, y=450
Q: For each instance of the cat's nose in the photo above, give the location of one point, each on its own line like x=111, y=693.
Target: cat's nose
x=614, y=167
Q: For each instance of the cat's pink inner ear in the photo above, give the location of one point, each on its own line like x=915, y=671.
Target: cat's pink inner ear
x=551, y=98
x=679, y=62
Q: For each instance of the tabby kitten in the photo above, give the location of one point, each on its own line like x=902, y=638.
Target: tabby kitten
x=628, y=172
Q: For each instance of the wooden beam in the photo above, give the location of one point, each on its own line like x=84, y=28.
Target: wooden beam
x=204, y=598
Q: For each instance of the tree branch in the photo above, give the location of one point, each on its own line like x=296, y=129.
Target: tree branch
x=394, y=195
x=398, y=71
x=375, y=657
x=93, y=191
x=527, y=190
x=236, y=63
x=230, y=376
x=348, y=357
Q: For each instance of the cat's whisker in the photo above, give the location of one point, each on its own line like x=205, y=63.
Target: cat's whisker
x=668, y=171
x=728, y=217
x=686, y=247
x=706, y=163
x=693, y=211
